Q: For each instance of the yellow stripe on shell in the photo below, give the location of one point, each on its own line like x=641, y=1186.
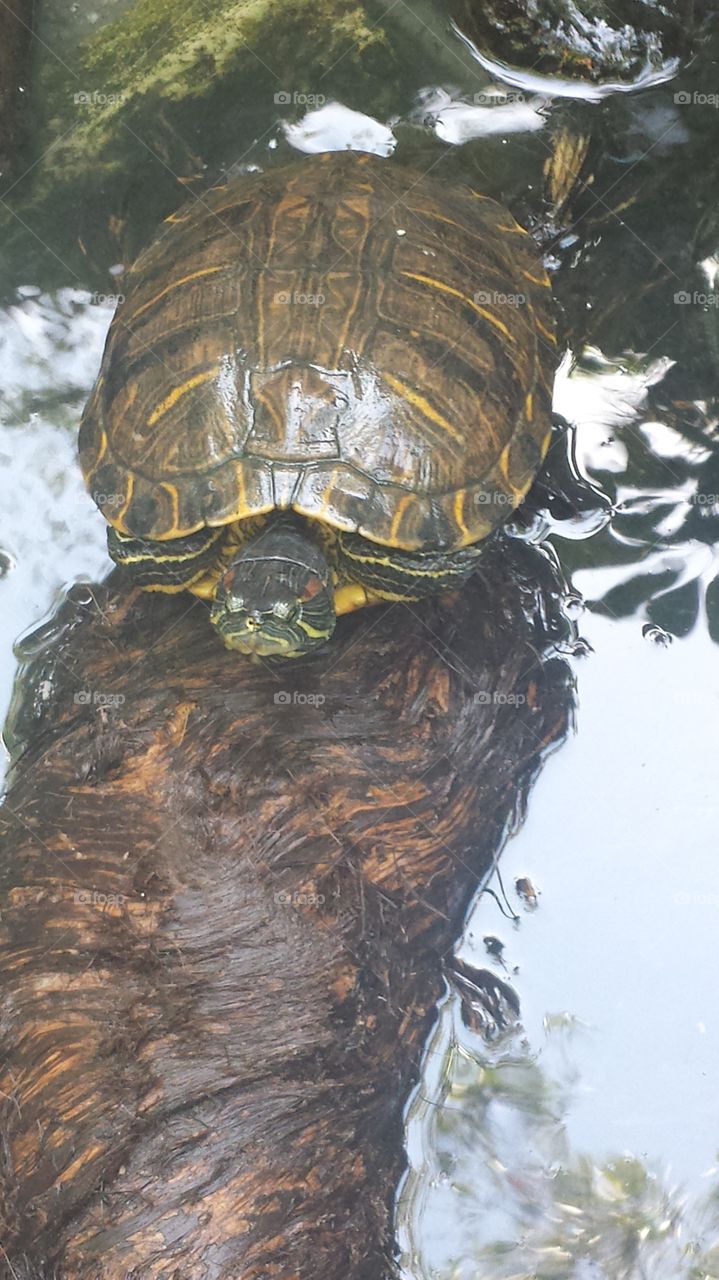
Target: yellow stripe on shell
x=457, y=293
x=546, y=333
x=242, y=504
x=171, y=489
x=128, y=499
x=543, y=280
x=504, y=468
x=440, y=217
x=175, y=284
x=419, y=402
x=103, y=449
x=349, y=317
x=197, y=380
x=459, y=513
x=397, y=518
x=324, y=505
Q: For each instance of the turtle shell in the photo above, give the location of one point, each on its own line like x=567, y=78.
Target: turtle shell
x=343, y=337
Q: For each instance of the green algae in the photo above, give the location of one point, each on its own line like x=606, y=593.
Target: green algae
x=187, y=53
x=119, y=131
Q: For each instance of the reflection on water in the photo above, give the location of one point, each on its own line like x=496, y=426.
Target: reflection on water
x=581, y=1143
x=508, y=1197
x=50, y=531
x=335, y=127
x=576, y=1136
x=493, y=111
x=656, y=459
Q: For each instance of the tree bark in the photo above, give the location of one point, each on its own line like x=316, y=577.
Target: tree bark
x=231, y=894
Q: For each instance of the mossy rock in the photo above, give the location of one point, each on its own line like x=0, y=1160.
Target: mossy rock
x=292, y=43
x=124, y=130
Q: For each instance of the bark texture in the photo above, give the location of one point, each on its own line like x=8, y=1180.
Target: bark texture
x=231, y=894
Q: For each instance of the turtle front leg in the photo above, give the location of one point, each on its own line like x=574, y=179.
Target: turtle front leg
x=369, y=573
x=177, y=564
x=352, y=595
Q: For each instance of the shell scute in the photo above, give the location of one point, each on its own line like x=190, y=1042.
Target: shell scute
x=343, y=337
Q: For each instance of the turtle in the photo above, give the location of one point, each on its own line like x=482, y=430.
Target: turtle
x=326, y=385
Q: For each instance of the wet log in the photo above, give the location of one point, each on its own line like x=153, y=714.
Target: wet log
x=231, y=894
x=15, y=35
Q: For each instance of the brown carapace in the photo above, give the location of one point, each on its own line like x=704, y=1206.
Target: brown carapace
x=344, y=341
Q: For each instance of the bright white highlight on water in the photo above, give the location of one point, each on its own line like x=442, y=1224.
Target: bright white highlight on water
x=335, y=127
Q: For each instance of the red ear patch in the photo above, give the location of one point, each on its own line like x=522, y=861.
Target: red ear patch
x=313, y=588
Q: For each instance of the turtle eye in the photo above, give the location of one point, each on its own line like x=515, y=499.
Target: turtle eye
x=282, y=609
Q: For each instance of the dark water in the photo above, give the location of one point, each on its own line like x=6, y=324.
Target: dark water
x=584, y=1144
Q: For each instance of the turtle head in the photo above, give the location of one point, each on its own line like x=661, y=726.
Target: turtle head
x=276, y=597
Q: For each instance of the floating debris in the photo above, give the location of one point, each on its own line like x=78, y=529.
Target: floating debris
x=494, y=946
x=526, y=891
x=651, y=631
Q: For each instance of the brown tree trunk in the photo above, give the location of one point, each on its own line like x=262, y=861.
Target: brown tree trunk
x=15, y=33
x=231, y=894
